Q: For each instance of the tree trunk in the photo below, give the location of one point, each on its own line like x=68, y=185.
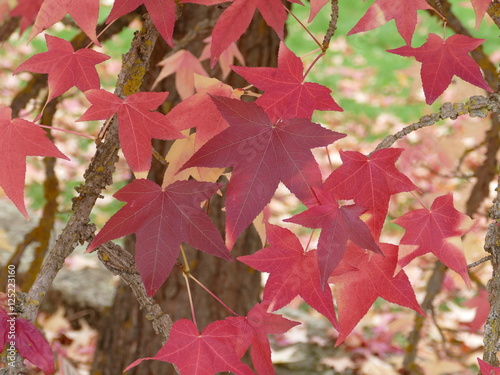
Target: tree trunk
x=126, y=333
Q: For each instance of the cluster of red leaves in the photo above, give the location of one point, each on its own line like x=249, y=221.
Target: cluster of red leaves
x=266, y=142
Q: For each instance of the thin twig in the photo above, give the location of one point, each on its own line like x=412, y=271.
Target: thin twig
x=480, y=261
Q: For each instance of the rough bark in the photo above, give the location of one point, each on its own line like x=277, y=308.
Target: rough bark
x=127, y=334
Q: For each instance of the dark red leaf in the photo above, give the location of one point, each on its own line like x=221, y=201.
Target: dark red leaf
x=338, y=225
x=370, y=181
x=262, y=154
x=293, y=272
x=162, y=220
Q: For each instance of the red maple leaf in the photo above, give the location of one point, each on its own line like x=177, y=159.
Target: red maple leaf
x=293, y=272
x=162, y=220
x=84, y=12
x=442, y=59
x=437, y=230
x=28, y=341
x=237, y=17
x=286, y=95
x=338, y=225
x=162, y=13
x=370, y=181
x=18, y=139
x=361, y=278
x=253, y=330
x=487, y=369
x=137, y=124
x=27, y=10
x=65, y=67
x=262, y=154
x=382, y=11
x=207, y=353
x=480, y=8
x=184, y=64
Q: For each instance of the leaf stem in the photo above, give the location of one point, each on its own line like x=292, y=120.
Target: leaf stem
x=418, y=200
x=190, y=299
x=98, y=35
x=213, y=295
x=304, y=27
x=65, y=130
x=313, y=63
x=310, y=239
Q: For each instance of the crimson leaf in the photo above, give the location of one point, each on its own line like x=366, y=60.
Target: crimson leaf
x=162, y=220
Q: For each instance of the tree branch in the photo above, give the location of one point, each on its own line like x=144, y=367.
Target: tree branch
x=476, y=106
x=97, y=177
x=492, y=246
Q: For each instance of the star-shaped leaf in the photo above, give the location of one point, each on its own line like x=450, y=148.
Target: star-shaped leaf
x=382, y=11
x=84, y=12
x=208, y=353
x=65, y=67
x=262, y=154
x=137, y=124
x=286, y=95
x=252, y=332
x=370, y=181
x=162, y=13
x=442, y=59
x=368, y=277
x=293, y=272
x=437, y=230
x=162, y=219
x=18, y=139
x=338, y=225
